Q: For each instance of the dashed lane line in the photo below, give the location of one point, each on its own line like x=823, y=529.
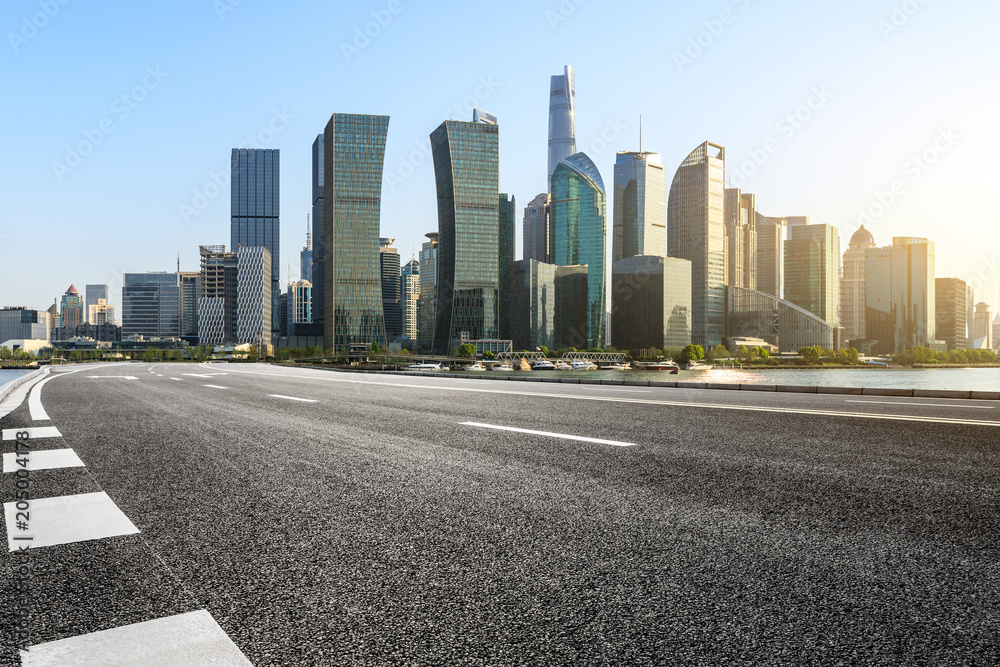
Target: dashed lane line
x=33, y=432
x=292, y=398
x=46, y=459
x=116, y=377
x=215, y=386
x=66, y=519
x=548, y=434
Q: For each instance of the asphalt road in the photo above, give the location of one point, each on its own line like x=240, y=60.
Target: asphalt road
x=379, y=520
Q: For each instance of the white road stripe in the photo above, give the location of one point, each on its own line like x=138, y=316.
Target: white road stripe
x=926, y=405
x=292, y=398
x=609, y=386
x=178, y=379
x=35, y=401
x=117, y=377
x=200, y=375
x=33, y=432
x=193, y=639
x=67, y=519
x=552, y=435
x=642, y=401
x=215, y=386
x=46, y=459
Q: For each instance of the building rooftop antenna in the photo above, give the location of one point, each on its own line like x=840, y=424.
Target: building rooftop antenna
x=640, y=134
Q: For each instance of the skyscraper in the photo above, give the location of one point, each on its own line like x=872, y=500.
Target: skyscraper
x=427, y=317
x=696, y=231
x=254, y=299
x=579, y=230
x=190, y=282
x=299, y=298
x=852, y=286
x=71, y=308
x=900, y=293
x=306, y=255
x=410, y=284
x=562, y=119
x=505, y=248
x=255, y=209
x=652, y=296
x=535, y=235
x=466, y=168
x=354, y=154
x=950, y=312
x=93, y=293
x=318, y=279
x=640, y=217
x=392, y=308
x=982, y=329
x=741, y=239
x=217, y=296
x=812, y=270
x=771, y=234
x=151, y=305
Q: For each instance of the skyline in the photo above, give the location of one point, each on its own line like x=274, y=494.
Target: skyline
x=887, y=96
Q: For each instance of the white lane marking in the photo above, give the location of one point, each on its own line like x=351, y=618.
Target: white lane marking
x=215, y=386
x=292, y=398
x=35, y=397
x=551, y=435
x=46, y=459
x=116, y=377
x=158, y=375
x=926, y=405
x=178, y=379
x=200, y=375
x=33, y=432
x=611, y=387
x=186, y=640
x=644, y=401
x=67, y=519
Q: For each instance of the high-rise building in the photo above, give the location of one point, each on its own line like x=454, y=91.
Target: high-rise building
x=982, y=329
x=771, y=235
x=741, y=239
x=100, y=313
x=93, y=293
x=410, y=284
x=640, y=214
x=696, y=231
x=900, y=295
x=299, y=298
x=255, y=203
x=354, y=154
x=754, y=314
x=71, y=308
x=970, y=316
x=392, y=306
x=812, y=270
x=306, y=255
x=949, y=312
x=151, y=305
x=652, y=302
x=505, y=257
x=254, y=299
x=25, y=324
x=318, y=278
x=562, y=119
x=535, y=235
x=579, y=230
x=217, y=296
x=852, y=285
x=548, y=305
x=190, y=290
x=466, y=168
x=427, y=317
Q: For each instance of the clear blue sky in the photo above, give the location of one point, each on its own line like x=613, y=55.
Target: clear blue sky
x=896, y=79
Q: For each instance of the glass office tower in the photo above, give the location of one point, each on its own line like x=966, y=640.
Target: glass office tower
x=151, y=305
x=318, y=279
x=466, y=170
x=354, y=153
x=505, y=248
x=426, y=318
x=640, y=217
x=696, y=231
x=255, y=205
x=562, y=119
x=392, y=308
x=579, y=230
x=812, y=270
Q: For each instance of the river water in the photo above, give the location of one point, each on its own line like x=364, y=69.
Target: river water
x=11, y=374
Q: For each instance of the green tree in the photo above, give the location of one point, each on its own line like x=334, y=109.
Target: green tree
x=763, y=353
x=489, y=355
x=376, y=349
x=811, y=355
x=691, y=353
x=467, y=350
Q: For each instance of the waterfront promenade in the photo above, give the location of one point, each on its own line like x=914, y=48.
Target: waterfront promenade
x=309, y=517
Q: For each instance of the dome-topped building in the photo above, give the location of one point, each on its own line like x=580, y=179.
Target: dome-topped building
x=862, y=238
x=852, y=285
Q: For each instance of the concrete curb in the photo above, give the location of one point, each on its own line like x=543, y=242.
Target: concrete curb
x=793, y=389
x=9, y=388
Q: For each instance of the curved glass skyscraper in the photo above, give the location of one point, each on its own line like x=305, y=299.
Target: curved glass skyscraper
x=696, y=231
x=562, y=119
x=579, y=230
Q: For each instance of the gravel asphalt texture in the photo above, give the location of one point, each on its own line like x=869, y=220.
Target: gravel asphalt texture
x=373, y=528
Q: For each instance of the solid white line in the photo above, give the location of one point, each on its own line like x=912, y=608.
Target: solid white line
x=33, y=432
x=35, y=401
x=187, y=639
x=927, y=405
x=46, y=459
x=611, y=387
x=215, y=386
x=292, y=398
x=67, y=519
x=552, y=435
x=643, y=401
